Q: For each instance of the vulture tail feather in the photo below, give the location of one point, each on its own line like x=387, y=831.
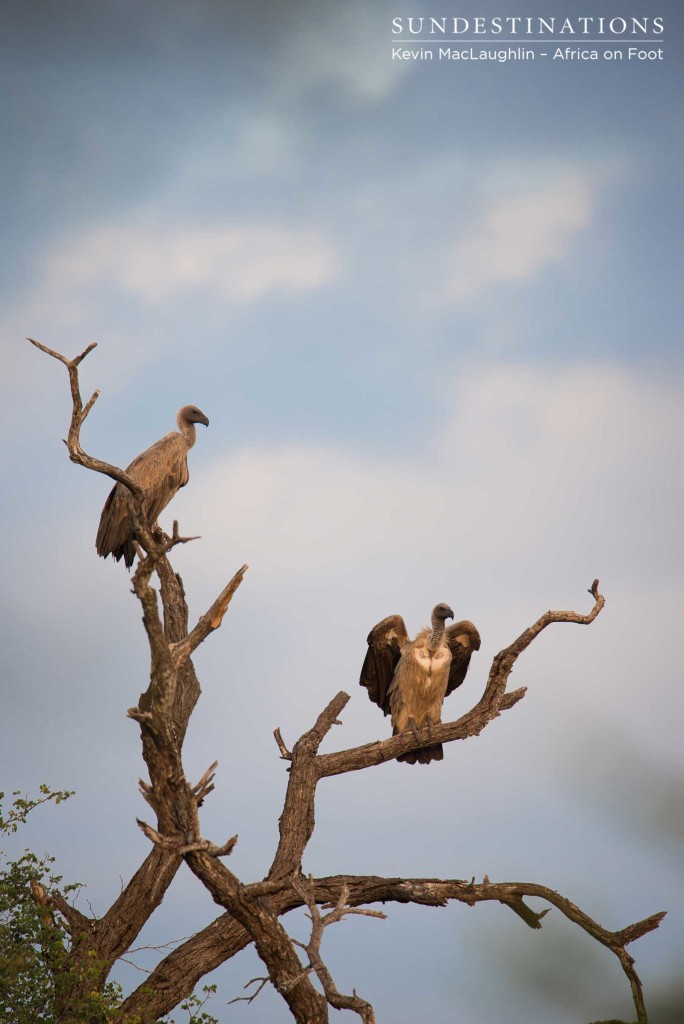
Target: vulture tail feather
x=425, y=755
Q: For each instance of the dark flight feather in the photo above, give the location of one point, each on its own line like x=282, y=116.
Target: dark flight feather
x=385, y=642
x=461, y=651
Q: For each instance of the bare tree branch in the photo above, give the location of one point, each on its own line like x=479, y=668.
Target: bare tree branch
x=306, y=891
x=284, y=752
x=272, y=942
x=250, y=999
x=180, y=845
x=118, y=928
x=78, y=415
x=168, y=543
x=176, y=976
x=297, y=821
x=208, y=622
x=471, y=724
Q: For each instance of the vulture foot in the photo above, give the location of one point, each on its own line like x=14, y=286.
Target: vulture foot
x=412, y=727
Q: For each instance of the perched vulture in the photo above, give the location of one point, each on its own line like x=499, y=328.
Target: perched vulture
x=160, y=471
x=409, y=679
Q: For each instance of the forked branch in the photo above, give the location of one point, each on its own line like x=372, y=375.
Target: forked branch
x=79, y=412
x=225, y=937
x=208, y=622
x=341, y=909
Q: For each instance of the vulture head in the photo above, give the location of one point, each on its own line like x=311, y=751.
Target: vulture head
x=191, y=414
x=442, y=612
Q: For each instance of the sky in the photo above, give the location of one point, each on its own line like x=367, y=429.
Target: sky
x=431, y=311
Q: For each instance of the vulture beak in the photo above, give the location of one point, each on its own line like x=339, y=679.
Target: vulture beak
x=450, y=615
x=203, y=419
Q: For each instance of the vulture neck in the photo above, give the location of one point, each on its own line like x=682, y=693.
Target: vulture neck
x=187, y=430
x=437, y=635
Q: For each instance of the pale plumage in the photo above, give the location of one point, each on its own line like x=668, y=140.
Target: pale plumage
x=160, y=471
x=410, y=679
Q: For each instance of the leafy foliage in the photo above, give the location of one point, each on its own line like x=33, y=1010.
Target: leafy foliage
x=31, y=938
x=194, y=1007
x=35, y=945
x=37, y=965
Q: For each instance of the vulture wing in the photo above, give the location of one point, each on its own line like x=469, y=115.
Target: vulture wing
x=462, y=639
x=114, y=533
x=160, y=470
x=385, y=642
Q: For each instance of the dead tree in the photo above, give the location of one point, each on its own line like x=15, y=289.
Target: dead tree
x=253, y=911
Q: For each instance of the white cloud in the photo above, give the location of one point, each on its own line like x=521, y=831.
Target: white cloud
x=517, y=235
x=239, y=262
x=529, y=457
x=120, y=282
x=350, y=51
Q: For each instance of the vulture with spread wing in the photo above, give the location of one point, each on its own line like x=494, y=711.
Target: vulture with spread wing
x=160, y=470
x=409, y=679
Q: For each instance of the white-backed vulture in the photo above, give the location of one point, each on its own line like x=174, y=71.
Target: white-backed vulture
x=409, y=679
x=160, y=470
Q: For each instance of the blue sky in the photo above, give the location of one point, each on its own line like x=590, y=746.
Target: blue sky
x=432, y=312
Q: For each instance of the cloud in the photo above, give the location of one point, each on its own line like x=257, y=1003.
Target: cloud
x=350, y=52
x=572, y=456
x=517, y=235
x=239, y=262
x=128, y=282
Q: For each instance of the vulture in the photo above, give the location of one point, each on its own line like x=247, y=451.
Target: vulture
x=409, y=679
x=160, y=471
